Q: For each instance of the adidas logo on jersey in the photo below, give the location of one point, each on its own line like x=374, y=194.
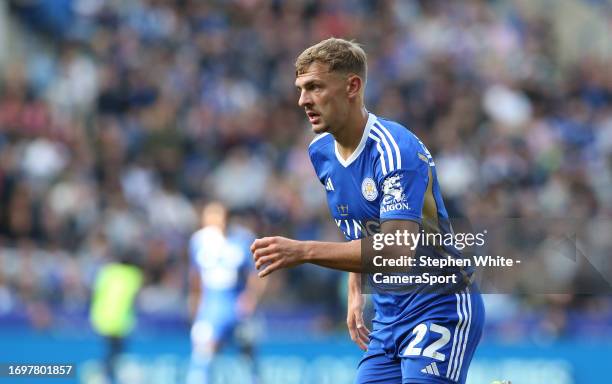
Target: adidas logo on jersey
x=328, y=184
x=432, y=369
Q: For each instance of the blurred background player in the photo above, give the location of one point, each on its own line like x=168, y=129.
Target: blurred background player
x=112, y=306
x=224, y=290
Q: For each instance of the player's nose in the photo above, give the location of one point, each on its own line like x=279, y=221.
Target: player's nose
x=304, y=99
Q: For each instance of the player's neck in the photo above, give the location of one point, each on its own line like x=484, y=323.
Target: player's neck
x=349, y=137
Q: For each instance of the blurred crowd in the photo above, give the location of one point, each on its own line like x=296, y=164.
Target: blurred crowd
x=118, y=120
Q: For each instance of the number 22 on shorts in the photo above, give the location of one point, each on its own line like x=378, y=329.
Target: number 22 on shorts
x=432, y=350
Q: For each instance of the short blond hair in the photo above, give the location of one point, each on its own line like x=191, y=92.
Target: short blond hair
x=338, y=54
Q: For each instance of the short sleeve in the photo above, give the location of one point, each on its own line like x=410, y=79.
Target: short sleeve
x=242, y=238
x=404, y=189
x=248, y=261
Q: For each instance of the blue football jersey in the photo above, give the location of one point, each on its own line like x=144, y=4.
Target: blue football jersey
x=224, y=263
x=390, y=176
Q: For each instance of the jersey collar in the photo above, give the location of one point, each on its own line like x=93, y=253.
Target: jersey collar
x=362, y=143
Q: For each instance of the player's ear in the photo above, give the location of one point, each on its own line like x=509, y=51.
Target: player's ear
x=353, y=85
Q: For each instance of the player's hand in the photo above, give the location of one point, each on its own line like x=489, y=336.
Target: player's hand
x=354, y=320
x=272, y=253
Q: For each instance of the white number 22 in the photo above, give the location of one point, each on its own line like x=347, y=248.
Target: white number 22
x=432, y=350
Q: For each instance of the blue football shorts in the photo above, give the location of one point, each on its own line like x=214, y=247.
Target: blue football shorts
x=435, y=347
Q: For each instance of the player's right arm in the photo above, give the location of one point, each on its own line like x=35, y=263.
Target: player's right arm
x=195, y=291
x=272, y=253
x=194, y=280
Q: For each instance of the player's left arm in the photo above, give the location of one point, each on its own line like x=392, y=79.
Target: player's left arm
x=272, y=253
x=250, y=297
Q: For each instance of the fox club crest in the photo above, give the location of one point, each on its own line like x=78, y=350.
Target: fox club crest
x=368, y=189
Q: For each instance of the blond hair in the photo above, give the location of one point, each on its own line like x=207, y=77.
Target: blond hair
x=338, y=54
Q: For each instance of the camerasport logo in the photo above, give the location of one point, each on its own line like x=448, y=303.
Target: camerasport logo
x=394, y=198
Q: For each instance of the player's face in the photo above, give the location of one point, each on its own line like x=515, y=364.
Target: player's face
x=214, y=214
x=324, y=97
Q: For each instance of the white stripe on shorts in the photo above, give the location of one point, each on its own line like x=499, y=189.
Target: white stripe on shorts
x=455, y=333
x=467, y=332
